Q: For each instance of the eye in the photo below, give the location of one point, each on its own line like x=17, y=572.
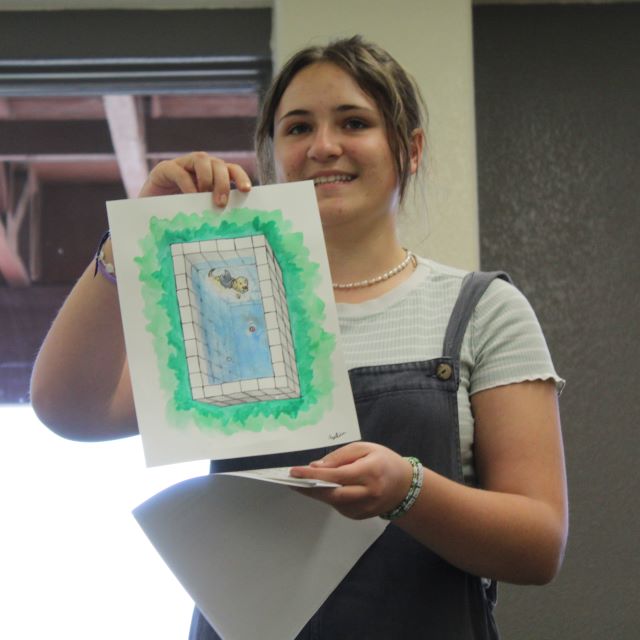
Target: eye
x=355, y=123
x=298, y=128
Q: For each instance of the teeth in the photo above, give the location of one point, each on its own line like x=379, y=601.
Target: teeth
x=329, y=179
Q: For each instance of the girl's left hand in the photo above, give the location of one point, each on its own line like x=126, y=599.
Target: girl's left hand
x=374, y=479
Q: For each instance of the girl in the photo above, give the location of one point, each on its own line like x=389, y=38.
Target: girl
x=455, y=391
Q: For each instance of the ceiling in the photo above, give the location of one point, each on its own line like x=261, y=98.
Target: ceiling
x=39, y=5
x=82, y=121
x=56, y=141
x=61, y=159
x=24, y=5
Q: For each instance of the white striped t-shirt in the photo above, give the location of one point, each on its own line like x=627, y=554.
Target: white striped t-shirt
x=503, y=342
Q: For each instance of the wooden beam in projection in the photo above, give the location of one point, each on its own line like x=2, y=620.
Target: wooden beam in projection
x=12, y=266
x=127, y=135
x=5, y=108
x=4, y=189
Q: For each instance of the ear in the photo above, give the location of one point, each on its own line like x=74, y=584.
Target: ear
x=416, y=149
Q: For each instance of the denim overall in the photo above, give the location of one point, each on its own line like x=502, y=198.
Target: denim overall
x=399, y=588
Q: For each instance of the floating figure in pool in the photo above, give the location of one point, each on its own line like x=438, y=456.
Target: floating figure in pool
x=239, y=285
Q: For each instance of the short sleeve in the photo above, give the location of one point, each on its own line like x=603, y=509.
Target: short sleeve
x=506, y=342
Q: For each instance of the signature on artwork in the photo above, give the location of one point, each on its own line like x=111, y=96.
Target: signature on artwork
x=336, y=435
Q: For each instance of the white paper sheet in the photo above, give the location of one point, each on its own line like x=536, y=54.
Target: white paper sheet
x=280, y=475
x=174, y=261
x=257, y=558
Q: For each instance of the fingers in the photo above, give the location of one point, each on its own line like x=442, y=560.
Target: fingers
x=340, y=466
x=221, y=182
x=344, y=455
x=337, y=475
x=167, y=177
x=200, y=164
x=373, y=479
x=223, y=174
x=196, y=172
x=240, y=177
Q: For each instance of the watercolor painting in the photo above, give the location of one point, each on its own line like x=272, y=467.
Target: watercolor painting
x=236, y=319
x=226, y=333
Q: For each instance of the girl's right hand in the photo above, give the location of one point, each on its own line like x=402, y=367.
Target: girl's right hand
x=193, y=173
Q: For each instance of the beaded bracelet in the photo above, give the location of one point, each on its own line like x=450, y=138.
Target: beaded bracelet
x=412, y=494
x=105, y=269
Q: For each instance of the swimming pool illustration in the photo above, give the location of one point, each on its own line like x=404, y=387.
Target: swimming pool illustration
x=235, y=321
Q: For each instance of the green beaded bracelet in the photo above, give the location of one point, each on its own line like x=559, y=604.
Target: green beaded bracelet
x=412, y=494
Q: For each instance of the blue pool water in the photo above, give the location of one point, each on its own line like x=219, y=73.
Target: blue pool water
x=232, y=318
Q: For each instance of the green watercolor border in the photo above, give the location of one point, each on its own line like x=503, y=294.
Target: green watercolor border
x=313, y=345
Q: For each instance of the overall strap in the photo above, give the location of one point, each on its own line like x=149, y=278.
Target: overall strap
x=473, y=286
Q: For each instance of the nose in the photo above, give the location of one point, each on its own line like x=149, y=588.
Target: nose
x=324, y=144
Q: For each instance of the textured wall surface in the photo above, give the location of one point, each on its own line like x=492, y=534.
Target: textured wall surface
x=558, y=98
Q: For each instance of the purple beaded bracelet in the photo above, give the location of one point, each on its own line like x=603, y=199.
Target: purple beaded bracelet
x=106, y=269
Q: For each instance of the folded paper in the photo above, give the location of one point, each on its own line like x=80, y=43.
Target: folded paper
x=253, y=555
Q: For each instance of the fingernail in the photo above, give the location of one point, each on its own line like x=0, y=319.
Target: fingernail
x=222, y=199
x=316, y=463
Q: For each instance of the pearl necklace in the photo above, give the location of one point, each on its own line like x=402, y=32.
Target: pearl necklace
x=385, y=276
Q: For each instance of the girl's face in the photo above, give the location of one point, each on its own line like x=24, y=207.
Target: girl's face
x=326, y=129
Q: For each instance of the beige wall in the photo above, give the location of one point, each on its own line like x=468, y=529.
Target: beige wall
x=433, y=40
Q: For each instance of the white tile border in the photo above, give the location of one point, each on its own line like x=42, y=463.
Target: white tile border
x=251, y=250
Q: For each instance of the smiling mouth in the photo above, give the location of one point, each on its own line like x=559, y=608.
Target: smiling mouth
x=332, y=179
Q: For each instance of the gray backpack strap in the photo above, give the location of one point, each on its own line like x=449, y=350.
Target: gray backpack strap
x=473, y=286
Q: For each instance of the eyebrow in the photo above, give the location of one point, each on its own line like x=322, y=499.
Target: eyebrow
x=340, y=108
